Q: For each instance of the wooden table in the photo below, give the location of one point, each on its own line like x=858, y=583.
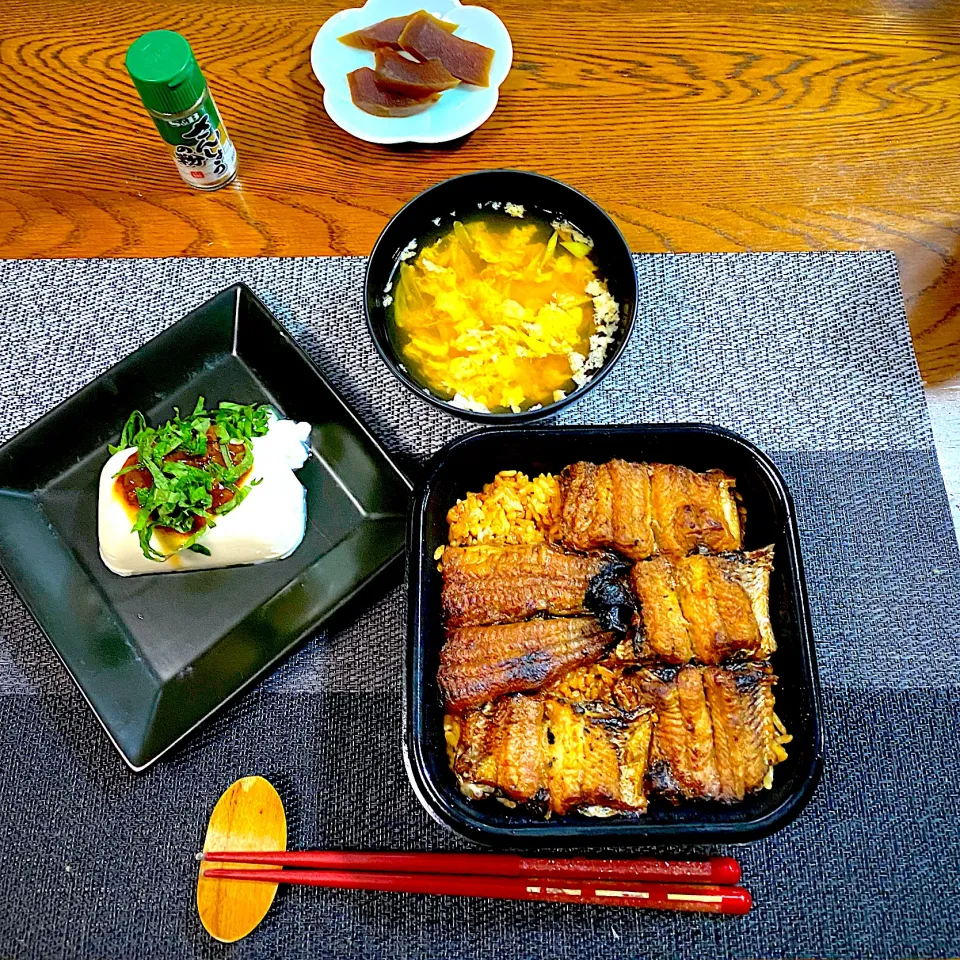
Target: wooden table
x=759, y=125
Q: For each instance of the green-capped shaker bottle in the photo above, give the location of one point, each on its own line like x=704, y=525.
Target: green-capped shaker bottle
x=168, y=79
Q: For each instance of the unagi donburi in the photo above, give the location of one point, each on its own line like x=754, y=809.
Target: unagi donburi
x=552, y=702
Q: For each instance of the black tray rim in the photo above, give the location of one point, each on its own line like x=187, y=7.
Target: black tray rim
x=612, y=832
x=239, y=289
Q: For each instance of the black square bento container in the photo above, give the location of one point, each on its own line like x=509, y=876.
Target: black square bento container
x=469, y=462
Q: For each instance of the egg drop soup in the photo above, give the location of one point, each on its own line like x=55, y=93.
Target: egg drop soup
x=501, y=312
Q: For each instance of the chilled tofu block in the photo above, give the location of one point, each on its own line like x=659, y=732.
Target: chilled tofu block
x=269, y=524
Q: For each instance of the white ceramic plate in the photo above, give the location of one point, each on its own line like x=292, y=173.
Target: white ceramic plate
x=457, y=113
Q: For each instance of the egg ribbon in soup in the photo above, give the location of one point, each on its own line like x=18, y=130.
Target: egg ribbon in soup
x=503, y=315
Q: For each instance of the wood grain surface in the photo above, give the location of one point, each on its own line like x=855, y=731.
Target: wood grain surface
x=734, y=125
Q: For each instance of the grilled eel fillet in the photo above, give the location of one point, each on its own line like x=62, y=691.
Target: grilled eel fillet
x=693, y=510
x=716, y=736
x=606, y=506
x=499, y=584
x=640, y=509
x=704, y=608
x=482, y=663
x=564, y=755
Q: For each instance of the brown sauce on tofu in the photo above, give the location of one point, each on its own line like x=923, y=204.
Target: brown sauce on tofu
x=127, y=484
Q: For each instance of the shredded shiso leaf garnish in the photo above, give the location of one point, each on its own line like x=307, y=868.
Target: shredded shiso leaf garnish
x=182, y=492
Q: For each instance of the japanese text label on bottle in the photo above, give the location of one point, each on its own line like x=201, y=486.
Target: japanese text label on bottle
x=202, y=149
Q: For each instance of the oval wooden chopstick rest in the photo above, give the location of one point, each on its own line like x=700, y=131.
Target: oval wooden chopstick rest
x=249, y=816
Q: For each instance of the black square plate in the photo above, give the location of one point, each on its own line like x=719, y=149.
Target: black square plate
x=156, y=655
x=469, y=462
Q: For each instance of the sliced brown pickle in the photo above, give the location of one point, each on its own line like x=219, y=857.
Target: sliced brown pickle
x=410, y=78
x=424, y=38
x=371, y=98
x=386, y=33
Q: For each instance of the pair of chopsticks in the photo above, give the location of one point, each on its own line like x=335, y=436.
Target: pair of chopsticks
x=705, y=886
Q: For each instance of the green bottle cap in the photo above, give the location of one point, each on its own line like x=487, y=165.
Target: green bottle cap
x=165, y=71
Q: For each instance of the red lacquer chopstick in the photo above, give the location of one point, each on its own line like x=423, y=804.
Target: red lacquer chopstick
x=719, y=870
x=657, y=896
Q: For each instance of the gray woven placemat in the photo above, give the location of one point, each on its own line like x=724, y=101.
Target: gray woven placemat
x=806, y=354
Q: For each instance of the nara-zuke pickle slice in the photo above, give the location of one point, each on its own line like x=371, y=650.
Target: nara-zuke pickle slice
x=386, y=33
x=411, y=78
x=426, y=40
x=370, y=97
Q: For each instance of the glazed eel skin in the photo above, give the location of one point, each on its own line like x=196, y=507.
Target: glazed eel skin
x=687, y=733
x=701, y=608
x=546, y=706
x=716, y=735
x=559, y=754
x=606, y=506
x=485, y=584
x=478, y=664
x=639, y=509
